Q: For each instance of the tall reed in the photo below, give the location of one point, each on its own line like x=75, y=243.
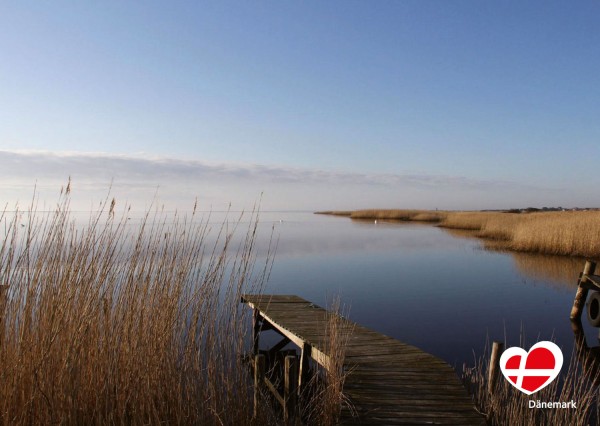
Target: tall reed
x=114, y=323
x=562, y=233
x=324, y=406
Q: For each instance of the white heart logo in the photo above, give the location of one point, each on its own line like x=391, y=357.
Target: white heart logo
x=534, y=370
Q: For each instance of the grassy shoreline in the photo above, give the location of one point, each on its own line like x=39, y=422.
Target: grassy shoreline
x=565, y=233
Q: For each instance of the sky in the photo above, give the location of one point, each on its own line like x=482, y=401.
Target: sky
x=315, y=105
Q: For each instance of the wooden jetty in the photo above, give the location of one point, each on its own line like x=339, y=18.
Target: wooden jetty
x=388, y=382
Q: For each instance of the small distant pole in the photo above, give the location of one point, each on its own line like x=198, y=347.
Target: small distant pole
x=497, y=348
x=259, y=374
x=290, y=391
x=581, y=295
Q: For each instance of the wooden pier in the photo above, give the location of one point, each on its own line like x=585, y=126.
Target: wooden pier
x=388, y=382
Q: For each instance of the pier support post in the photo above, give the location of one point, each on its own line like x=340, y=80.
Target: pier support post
x=303, y=377
x=290, y=389
x=255, y=331
x=259, y=374
x=497, y=348
x=581, y=295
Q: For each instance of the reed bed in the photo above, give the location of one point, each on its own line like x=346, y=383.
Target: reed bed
x=561, y=233
x=472, y=221
x=394, y=214
x=508, y=406
x=501, y=226
x=113, y=323
x=565, y=233
x=569, y=233
x=336, y=212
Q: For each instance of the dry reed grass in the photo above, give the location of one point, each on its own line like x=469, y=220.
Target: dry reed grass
x=508, y=406
x=501, y=226
x=325, y=404
x=401, y=215
x=112, y=323
x=336, y=212
x=561, y=233
x=434, y=217
x=339, y=332
x=474, y=221
x=391, y=214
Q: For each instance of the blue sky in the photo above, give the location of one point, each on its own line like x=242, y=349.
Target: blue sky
x=348, y=104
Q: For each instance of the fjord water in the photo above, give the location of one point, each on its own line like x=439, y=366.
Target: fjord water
x=439, y=290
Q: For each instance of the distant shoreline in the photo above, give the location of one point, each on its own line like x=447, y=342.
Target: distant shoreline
x=565, y=232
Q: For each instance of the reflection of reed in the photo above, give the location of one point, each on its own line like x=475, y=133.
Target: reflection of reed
x=470, y=234
x=460, y=233
x=559, y=269
x=562, y=270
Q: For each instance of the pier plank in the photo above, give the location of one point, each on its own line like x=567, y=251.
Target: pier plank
x=389, y=382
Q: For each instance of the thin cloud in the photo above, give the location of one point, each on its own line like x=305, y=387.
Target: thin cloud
x=141, y=180
x=146, y=171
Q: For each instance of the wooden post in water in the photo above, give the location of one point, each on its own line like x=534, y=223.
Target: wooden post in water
x=259, y=375
x=255, y=331
x=581, y=295
x=497, y=348
x=290, y=390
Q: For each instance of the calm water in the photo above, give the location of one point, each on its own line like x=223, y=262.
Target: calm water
x=438, y=290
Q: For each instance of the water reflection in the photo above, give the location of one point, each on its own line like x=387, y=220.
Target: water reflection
x=333, y=235
x=557, y=270
x=442, y=290
x=562, y=271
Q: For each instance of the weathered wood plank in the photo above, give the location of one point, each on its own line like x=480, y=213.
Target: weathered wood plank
x=389, y=382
